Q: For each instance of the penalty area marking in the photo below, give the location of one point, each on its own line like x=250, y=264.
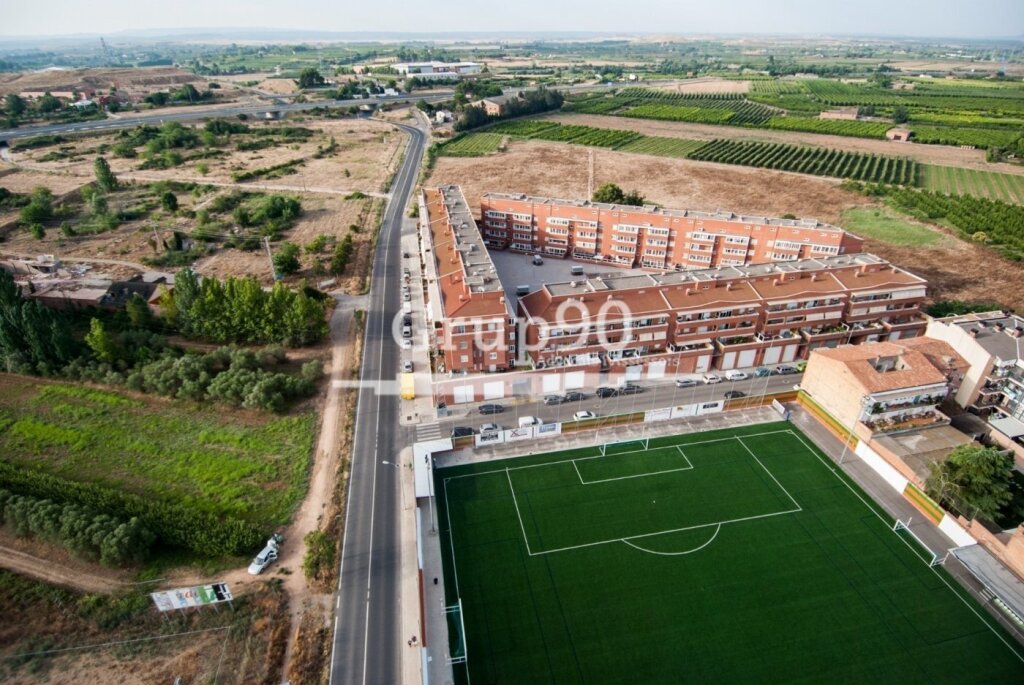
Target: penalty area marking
x=718, y=528
x=688, y=467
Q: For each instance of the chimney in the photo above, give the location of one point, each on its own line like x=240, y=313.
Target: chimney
x=1017, y=332
x=973, y=332
x=999, y=326
x=814, y=276
x=729, y=285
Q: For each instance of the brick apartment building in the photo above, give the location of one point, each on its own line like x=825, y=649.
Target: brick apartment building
x=652, y=237
x=722, y=318
x=466, y=308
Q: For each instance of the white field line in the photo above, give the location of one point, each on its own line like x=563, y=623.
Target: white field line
x=910, y=547
x=451, y=541
x=770, y=474
x=677, y=554
x=520, y=516
x=688, y=467
x=621, y=454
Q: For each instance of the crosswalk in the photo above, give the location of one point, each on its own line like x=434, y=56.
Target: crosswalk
x=428, y=431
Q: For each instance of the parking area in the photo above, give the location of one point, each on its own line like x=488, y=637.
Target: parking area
x=515, y=269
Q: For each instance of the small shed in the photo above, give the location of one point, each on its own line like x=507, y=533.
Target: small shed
x=900, y=135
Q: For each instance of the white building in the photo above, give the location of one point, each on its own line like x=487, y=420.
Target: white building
x=436, y=70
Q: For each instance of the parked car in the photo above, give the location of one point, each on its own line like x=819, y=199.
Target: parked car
x=491, y=409
x=537, y=260
x=406, y=319
x=734, y=394
x=490, y=428
x=762, y=371
x=267, y=556
x=407, y=296
x=710, y=378
x=686, y=382
x=406, y=331
x=629, y=389
x=784, y=370
x=583, y=415
x=526, y=421
x=553, y=399
x=736, y=376
x=407, y=344
x=605, y=392
x=405, y=254
x=574, y=396
x=407, y=366
x=462, y=431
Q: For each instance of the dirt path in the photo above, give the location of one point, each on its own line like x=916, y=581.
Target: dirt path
x=929, y=154
x=322, y=481
x=56, y=574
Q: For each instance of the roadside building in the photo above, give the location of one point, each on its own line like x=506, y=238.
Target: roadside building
x=885, y=386
x=653, y=237
x=436, y=70
x=493, y=106
x=993, y=344
x=722, y=318
x=470, y=321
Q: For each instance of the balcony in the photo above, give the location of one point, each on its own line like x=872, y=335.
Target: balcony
x=861, y=329
x=821, y=333
x=879, y=408
x=916, y=323
x=904, y=423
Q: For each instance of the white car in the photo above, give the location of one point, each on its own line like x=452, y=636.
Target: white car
x=736, y=376
x=264, y=558
x=710, y=378
x=583, y=415
x=490, y=428
x=526, y=421
x=407, y=366
x=407, y=344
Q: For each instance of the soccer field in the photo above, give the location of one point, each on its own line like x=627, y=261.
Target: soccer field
x=729, y=556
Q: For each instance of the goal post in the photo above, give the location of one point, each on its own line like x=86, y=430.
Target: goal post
x=933, y=558
x=456, y=625
x=624, y=446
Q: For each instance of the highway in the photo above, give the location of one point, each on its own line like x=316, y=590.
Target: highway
x=366, y=642
x=187, y=114
x=656, y=394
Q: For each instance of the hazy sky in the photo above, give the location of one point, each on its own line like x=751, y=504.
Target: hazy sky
x=959, y=18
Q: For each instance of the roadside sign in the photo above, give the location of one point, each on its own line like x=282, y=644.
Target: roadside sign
x=183, y=598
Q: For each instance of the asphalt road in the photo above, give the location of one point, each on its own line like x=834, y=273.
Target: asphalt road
x=366, y=642
x=662, y=393
x=187, y=114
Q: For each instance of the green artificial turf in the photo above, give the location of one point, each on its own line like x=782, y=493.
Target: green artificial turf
x=726, y=561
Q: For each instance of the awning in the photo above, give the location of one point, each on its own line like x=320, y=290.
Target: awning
x=1008, y=426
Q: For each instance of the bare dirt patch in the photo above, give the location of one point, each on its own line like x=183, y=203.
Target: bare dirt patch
x=280, y=86
x=25, y=180
x=955, y=270
x=363, y=159
x=707, y=86
x=929, y=154
x=129, y=82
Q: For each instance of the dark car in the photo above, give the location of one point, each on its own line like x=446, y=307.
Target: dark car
x=629, y=390
x=553, y=399
x=605, y=392
x=462, y=431
x=734, y=394
x=491, y=409
x=785, y=370
x=407, y=320
x=574, y=396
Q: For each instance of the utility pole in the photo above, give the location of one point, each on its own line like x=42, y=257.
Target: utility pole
x=590, y=174
x=270, y=256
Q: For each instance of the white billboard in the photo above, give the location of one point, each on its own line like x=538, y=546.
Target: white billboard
x=183, y=598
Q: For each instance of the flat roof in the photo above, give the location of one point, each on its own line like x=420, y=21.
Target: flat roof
x=654, y=210
x=998, y=343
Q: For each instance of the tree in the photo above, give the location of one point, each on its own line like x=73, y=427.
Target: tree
x=101, y=342
x=14, y=105
x=613, y=194
x=48, y=104
x=310, y=78
x=39, y=209
x=169, y=201
x=286, y=261
x=900, y=114
x=974, y=480
x=138, y=311
x=105, y=178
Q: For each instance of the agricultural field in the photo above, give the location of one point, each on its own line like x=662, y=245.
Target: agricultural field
x=698, y=115
x=521, y=127
x=835, y=127
x=663, y=147
x=472, y=145
x=887, y=226
x=810, y=160
x=960, y=135
x=730, y=556
x=240, y=464
x=958, y=181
